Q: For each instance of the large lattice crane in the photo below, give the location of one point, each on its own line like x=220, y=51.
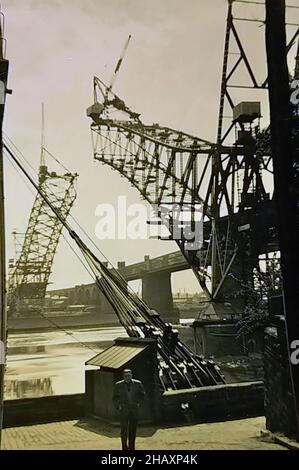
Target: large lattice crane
x=29, y=277
x=230, y=179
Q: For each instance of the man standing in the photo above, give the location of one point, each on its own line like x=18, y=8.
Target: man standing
x=128, y=396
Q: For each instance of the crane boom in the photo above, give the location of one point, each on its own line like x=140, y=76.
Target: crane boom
x=118, y=65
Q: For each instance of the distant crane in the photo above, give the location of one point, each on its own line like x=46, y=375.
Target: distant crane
x=29, y=276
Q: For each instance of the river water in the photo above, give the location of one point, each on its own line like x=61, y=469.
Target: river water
x=48, y=363
x=52, y=362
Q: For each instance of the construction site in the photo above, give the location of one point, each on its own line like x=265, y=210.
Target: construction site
x=151, y=250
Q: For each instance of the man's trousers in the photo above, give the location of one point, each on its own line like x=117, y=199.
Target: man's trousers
x=128, y=427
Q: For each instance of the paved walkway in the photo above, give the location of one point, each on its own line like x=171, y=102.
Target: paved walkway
x=234, y=435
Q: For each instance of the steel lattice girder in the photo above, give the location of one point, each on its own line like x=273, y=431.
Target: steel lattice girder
x=30, y=276
x=166, y=165
x=181, y=171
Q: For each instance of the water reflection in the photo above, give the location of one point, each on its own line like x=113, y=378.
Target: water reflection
x=25, y=349
x=28, y=388
x=52, y=363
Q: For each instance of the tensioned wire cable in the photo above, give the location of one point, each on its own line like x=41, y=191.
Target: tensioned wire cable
x=35, y=175
x=91, y=257
x=75, y=221
x=128, y=305
x=51, y=321
x=25, y=181
x=29, y=187
x=27, y=161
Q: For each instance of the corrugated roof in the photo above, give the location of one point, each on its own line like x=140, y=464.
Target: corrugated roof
x=116, y=356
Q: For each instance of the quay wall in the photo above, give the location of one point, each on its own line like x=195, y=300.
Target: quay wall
x=221, y=402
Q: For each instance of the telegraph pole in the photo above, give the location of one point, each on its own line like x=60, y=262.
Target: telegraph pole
x=285, y=193
x=3, y=91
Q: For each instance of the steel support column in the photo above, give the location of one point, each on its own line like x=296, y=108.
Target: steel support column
x=284, y=175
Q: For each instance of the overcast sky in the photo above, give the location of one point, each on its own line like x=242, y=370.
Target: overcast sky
x=171, y=75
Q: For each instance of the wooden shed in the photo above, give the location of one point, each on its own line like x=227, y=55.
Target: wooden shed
x=138, y=354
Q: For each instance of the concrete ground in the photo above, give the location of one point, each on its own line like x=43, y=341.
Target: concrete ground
x=79, y=435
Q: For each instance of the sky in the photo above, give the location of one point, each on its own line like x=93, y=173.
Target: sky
x=171, y=75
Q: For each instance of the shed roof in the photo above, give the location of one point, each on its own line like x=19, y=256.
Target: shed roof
x=117, y=356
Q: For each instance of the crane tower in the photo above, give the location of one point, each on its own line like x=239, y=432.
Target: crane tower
x=29, y=274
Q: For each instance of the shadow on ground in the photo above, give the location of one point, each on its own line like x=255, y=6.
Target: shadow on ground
x=112, y=430
x=109, y=430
